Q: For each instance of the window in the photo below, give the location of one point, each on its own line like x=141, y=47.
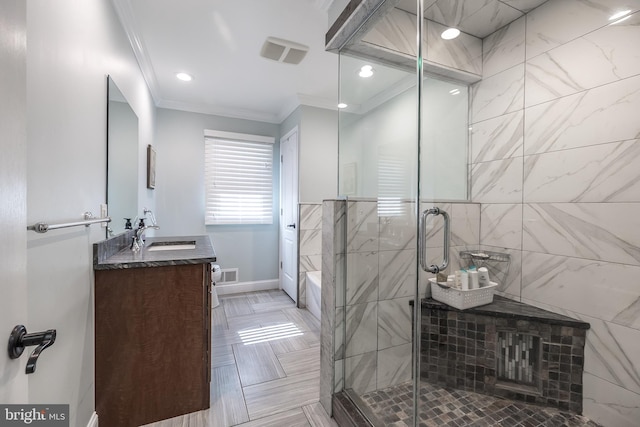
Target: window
x=238, y=173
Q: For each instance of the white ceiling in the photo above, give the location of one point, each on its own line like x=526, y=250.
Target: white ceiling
x=219, y=42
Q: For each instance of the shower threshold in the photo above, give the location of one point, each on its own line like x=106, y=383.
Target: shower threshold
x=441, y=406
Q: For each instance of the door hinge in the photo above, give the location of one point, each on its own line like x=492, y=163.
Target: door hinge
x=280, y=265
x=281, y=158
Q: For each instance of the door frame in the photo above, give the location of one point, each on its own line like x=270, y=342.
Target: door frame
x=284, y=138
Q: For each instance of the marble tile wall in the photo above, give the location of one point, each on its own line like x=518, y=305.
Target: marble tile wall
x=396, y=32
x=554, y=152
x=310, y=246
x=331, y=308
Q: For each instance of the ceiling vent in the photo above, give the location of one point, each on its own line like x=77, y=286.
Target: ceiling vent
x=283, y=50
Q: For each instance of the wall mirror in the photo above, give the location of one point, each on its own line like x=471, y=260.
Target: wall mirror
x=122, y=159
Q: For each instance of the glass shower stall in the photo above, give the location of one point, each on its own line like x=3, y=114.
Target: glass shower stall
x=493, y=141
x=404, y=175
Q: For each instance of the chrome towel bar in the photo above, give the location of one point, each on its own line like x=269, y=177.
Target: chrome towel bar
x=42, y=227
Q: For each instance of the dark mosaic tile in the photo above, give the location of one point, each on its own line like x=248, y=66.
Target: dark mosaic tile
x=441, y=406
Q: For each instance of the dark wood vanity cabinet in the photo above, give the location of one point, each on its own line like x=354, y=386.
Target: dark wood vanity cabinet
x=152, y=343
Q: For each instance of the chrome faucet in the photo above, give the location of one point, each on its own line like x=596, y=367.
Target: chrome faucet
x=152, y=217
x=137, y=242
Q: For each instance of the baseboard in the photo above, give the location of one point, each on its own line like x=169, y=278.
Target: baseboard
x=93, y=421
x=238, y=288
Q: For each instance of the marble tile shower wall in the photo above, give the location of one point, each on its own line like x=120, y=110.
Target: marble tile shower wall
x=396, y=32
x=332, y=315
x=310, y=247
x=555, y=152
x=380, y=256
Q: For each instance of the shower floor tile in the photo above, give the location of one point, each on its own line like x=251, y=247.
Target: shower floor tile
x=447, y=407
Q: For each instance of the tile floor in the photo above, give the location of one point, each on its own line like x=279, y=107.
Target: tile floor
x=447, y=407
x=266, y=372
x=265, y=366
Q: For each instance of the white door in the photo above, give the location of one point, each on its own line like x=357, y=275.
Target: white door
x=13, y=195
x=289, y=214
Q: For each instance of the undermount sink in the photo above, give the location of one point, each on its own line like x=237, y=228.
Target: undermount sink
x=172, y=246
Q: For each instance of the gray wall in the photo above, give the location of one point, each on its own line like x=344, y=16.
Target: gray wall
x=71, y=47
x=291, y=121
x=180, y=192
x=180, y=181
x=318, y=154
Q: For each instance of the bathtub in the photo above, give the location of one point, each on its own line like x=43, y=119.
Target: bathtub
x=313, y=283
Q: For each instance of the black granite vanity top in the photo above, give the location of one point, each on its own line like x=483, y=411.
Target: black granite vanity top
x=505, y=307
x=115, y=254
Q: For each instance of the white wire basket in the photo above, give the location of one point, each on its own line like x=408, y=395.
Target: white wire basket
x=463, y=299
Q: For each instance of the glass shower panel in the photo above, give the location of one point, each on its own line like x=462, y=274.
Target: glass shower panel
x=403, y=149
x=377, y=130
x=378, y=163
x=444, y=143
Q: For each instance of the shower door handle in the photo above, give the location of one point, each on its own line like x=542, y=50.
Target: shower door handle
x=422, y=249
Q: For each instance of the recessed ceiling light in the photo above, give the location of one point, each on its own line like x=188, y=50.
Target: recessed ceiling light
x=184, y=77
x=366, y=71
x=342, y=105
x=619, y=15
x=450, y=33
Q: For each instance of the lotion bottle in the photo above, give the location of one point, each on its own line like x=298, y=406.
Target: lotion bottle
x=473, y=279
x=483, y=277
x=464, y=280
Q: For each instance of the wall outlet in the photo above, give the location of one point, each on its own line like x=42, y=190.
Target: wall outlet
x=103, y=214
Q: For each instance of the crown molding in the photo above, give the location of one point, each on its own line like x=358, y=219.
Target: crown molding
x=317, y=101
x=125, y=13
x=288, y=108
x=234, y=113
x=391, y=92
x=247, y=114
x=308, y=100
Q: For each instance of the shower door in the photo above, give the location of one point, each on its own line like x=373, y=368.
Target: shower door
x=403, y=138
x=378, y=175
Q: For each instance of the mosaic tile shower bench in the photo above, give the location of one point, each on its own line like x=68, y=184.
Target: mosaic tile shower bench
x=506, y=349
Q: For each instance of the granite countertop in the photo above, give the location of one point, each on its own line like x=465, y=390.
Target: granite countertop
x=125, y=258
x=505, y=307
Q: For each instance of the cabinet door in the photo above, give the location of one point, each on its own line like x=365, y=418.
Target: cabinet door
x=152, y=343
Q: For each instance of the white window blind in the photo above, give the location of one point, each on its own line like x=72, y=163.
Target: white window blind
x=392, y=182
x=238, y=178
